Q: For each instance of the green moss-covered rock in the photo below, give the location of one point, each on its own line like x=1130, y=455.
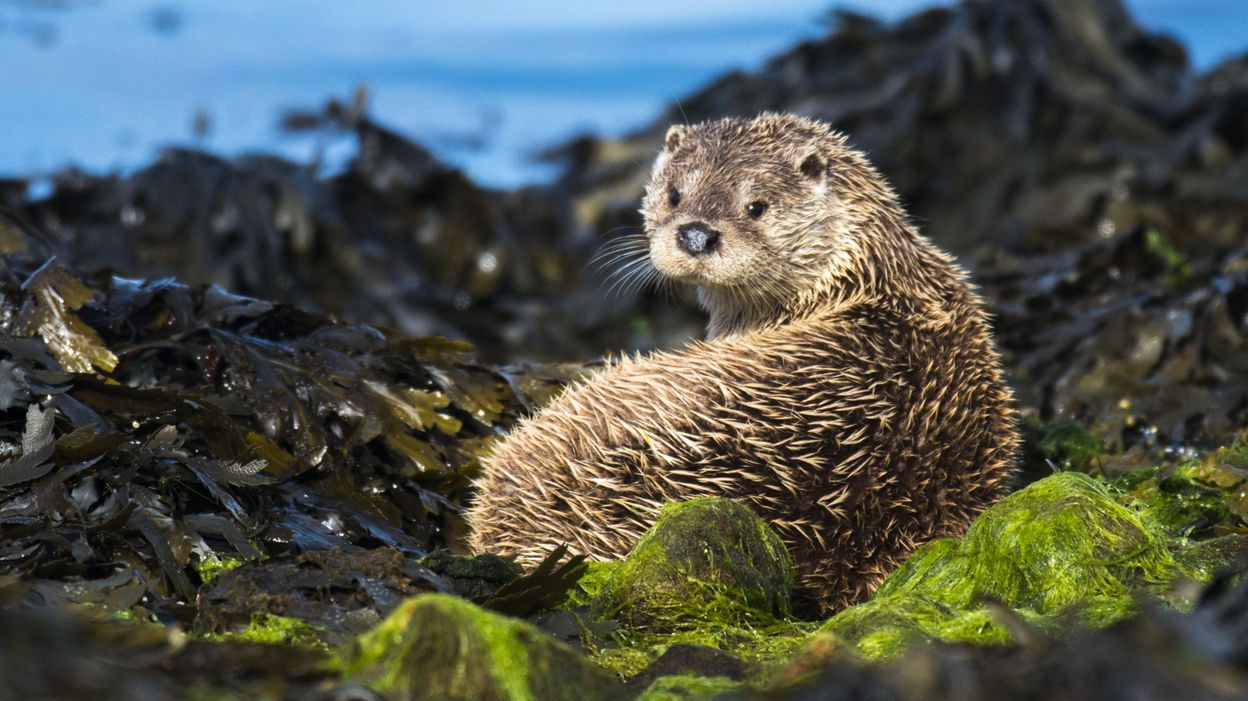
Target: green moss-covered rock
x=436, y=646
x=704, y=559
x=1055, y=543
x=687, y=688
x=1064, y=545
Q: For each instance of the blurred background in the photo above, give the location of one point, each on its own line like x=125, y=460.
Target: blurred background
x=104, y=84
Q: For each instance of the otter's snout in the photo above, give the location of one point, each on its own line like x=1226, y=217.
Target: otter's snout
x=697, y=239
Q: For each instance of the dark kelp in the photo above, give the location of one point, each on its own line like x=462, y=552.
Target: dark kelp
x=161, y=430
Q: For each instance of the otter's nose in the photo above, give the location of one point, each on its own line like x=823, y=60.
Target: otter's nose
x=697, y=239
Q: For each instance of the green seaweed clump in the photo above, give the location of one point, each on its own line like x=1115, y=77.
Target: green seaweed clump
x=590, y=585
x=272, y=629
x=703, y=559
x=436, y=646
x=1177, y=266
x=1178, y=503
x=1227, y=469
x=214, y=565
x=1062, y=548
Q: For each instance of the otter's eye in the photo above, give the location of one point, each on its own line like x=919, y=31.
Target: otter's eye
x=756, y=209
x=673, y=197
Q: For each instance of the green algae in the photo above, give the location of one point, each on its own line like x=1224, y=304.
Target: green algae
x=710, y=573
x=1177, y=503
x=890, y=623
x=687, y=687
x=271, y=629
x=704, y=560
x=440, y=646
x=1061, y=550
x=473, y=577
x=590, y=585
x=135, y=614
x=1067, y=445
x=1177, y=266
x=763, y=649
x=1226, y=469
x=1069, y=551
x=1055, y=543
x=1198, y=497
x=214, y=565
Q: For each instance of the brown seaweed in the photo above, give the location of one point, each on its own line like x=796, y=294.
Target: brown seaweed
x=227, y=429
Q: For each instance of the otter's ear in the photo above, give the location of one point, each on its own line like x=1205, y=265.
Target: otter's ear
x=813, y=166
x=675, y=134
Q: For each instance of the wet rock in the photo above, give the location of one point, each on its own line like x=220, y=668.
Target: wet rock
x=337, y=594
x=690, y=661
x=704, y=558
x=688, y=688
x=440, y=647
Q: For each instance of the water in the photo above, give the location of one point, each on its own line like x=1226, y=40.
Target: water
x=104, y=84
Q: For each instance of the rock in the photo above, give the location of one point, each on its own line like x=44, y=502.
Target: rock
x=1062, y=545
x=472, y=577
x=437, y=646
x=688, y=660
x=1159, y=654
x=688, y=688
x=339, y=593
x=705, y=558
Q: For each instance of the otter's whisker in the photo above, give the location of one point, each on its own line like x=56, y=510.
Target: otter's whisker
x=624, y=246
x=628, y=271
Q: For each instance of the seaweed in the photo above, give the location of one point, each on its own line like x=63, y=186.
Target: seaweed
x=708, y=574
x=269, y=629
x=1060, y=551
x=436, y=646
x=1069, y=446
x=706, y=559
x=687, y=688
x=1159, y=653
x=226, y=430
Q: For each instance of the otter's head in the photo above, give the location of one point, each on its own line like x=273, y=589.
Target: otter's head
x=757, y=213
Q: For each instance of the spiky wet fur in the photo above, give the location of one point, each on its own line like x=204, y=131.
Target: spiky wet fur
x=849, y=391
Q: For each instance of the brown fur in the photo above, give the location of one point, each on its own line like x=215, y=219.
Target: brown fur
x=849, y=393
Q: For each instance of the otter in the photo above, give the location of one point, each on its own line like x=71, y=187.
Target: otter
x=848, y=390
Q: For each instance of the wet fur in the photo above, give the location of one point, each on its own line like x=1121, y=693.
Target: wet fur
x=849, y=391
